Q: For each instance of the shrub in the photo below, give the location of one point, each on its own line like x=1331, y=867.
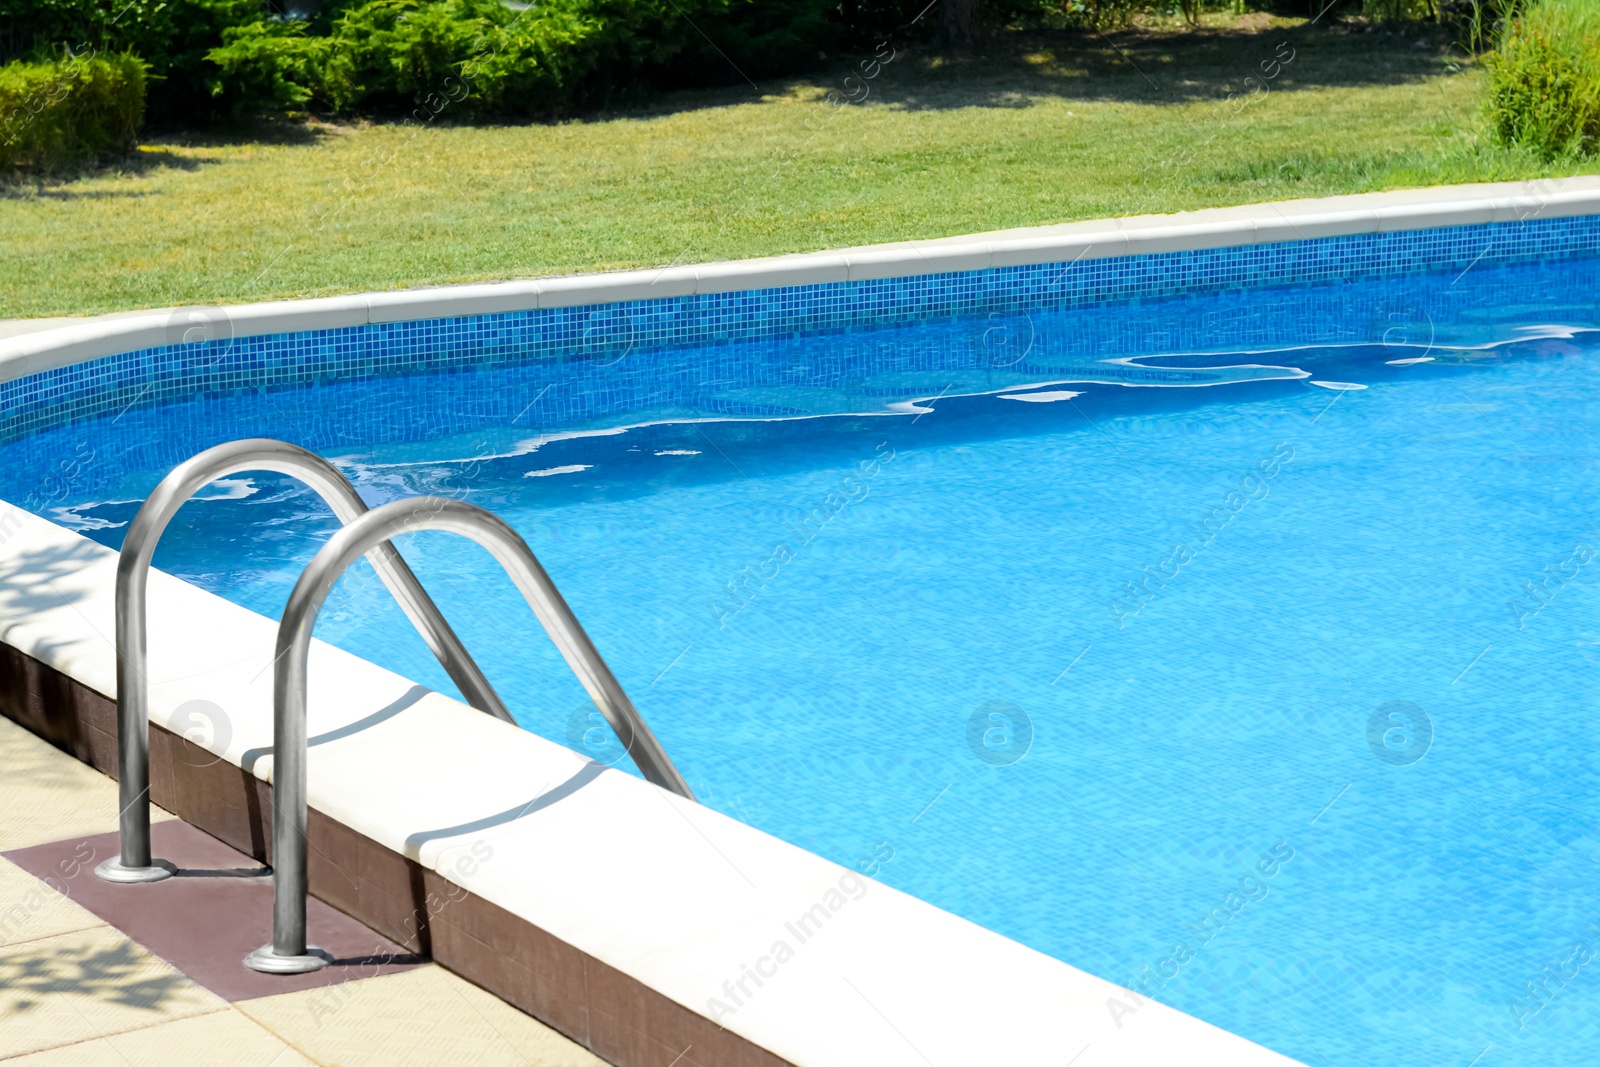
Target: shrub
x=54, y=115
x=476, y=55
x=480, y=57
x=529, y=66
x=172, y=36
x=267, y=66
x=1544, y=78
x=209, y=58
x=641, y=43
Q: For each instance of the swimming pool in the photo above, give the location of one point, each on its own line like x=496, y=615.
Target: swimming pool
x=1206, y=648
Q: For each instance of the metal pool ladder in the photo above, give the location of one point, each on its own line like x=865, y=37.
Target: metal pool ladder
x=133, y=569
x=288, y=952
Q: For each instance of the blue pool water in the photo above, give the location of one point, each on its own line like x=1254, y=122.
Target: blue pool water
x=1327, y=780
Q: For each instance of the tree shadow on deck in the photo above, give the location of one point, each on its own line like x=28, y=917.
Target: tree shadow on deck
x=119, y=973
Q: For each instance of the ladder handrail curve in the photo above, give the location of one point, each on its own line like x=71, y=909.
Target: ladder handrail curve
x=288, y=951
x=133, y=570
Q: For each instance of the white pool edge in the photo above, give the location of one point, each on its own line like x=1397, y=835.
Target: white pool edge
x=56, y=345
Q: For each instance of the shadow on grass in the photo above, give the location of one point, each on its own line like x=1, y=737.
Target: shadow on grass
x=162, y=149
x=58, y=184
x=264, y=130
x=1161, y=68
x=1143, y=66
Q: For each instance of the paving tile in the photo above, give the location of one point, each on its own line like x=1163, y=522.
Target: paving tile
x=219, y=1039
x=217, y=909
x=31, y=908
x=46, y=795
x=422, y=1018
x=88, y=984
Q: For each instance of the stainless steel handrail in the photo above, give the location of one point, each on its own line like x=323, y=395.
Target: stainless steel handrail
x=133, y=568
x=288, y=952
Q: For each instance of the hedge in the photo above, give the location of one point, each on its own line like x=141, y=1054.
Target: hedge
x=482, y=57
x=210, y=59
x=55, y=115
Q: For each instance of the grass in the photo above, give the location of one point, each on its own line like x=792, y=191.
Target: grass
x=1039, y=129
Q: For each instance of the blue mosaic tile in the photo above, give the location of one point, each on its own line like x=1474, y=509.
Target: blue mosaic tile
x=604, y=333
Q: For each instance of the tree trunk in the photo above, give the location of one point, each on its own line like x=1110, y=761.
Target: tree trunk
x=958, y=23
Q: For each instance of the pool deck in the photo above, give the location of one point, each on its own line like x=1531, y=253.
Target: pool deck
x=78, y=989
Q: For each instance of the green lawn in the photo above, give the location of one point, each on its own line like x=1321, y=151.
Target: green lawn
x=1038, y=130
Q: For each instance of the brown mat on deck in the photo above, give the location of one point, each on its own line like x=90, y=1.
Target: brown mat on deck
x=211, y=914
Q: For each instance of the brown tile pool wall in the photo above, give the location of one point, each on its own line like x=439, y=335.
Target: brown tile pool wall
x=617, y=1017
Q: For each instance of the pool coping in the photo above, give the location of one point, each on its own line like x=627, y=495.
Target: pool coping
x=60, y=343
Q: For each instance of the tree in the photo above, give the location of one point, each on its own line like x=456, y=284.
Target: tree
x=958, y=23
